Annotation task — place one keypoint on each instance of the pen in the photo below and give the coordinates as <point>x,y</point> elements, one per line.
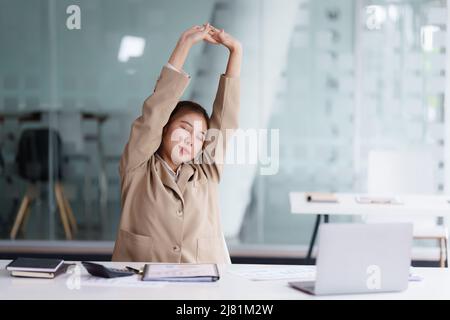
<point>134,270</point>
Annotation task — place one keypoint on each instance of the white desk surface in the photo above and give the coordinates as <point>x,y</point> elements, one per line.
<point>435,285</point>
<point>430,205</point>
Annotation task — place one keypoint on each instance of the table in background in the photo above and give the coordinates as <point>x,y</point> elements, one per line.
<point>431,205</point>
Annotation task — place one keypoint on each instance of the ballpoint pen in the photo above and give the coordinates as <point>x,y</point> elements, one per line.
<point>134,270</point>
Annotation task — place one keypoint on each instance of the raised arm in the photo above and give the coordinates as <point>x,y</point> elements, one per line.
<point>146,130</point>
<point>225,116</point>
<point>235,56</point>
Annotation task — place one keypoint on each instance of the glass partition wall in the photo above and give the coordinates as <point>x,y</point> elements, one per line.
<point>84,87</point>
<point>335,81</point>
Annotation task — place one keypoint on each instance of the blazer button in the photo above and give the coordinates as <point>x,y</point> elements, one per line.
<point>176,248</point>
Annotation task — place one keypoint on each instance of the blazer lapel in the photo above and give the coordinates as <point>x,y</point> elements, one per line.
<point>186,173</point>
<point>168,181</point>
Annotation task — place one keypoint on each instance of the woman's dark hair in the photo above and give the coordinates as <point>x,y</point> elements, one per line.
<point>190,106</point>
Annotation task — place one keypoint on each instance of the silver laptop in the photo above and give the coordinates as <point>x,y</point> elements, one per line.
<point>361,258</point>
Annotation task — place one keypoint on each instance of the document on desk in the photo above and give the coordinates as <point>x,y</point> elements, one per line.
<point>378,200</point>
<point>183,272</point>
<point>131,281</point>
<point>259,273</point>
<point>301,273</point>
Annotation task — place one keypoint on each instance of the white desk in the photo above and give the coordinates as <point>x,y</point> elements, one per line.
<point>435,285</point>
<point>430,205</point>
<point>412,205</point>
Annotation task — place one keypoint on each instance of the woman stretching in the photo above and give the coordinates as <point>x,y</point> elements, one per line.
<point>171,166</point>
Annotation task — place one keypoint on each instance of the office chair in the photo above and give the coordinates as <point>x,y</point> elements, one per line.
<point>407,172</point>
<point>2,162</point>
<point>34,165</point>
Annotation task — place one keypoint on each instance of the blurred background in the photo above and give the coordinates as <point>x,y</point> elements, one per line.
<point>338,79</point>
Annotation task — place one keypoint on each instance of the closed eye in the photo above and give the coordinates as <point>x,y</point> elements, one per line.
<point>186,128</point>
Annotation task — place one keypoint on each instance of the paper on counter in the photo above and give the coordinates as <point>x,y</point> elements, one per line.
<point>131,281</point>
<point>306,273</point>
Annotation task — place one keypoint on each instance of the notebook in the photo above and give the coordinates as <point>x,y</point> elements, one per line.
<point>377,200</point>
<point>184,272</point>
<point>34,265</point>
<point>39,274</point>
<point>37,268</point>
<point>321,197</point>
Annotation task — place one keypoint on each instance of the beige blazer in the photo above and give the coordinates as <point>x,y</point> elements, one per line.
<point>163,220</point>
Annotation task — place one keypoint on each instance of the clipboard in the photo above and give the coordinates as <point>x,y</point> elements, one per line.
<point>181,272</point>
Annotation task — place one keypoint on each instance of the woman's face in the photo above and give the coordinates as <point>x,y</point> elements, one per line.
<point>183,137</point>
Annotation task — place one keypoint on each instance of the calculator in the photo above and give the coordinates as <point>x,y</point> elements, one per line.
<point>99,270</point>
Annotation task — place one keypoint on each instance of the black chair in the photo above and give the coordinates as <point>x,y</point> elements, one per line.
<point>39,159</point>
<point>2,162</point>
